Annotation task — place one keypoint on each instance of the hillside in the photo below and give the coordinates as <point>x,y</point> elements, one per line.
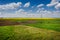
<point>22,32</point>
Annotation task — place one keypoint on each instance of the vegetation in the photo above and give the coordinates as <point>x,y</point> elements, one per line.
<point>21,32</point>
<point>51,24</point>
<point>29,29</point>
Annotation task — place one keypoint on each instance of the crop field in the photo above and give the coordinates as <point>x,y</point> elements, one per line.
<point>30,29</point>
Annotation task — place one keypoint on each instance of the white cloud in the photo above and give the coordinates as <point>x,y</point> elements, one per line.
<point>52,4</point>
<point>53,1</point>
<point>0,13</point>
<point>27,4</point>
<point>40,9</point>
<point>40,5</point>
<point>42,13</point>
<point>57,6</point>
<point>10,6</point>
<point>21,11</point>
<point>48,14</point>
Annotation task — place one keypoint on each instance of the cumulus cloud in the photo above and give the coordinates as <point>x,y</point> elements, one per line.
<point>40,5</point>
<point>54,3</point>
<point>57,6</point>
<point>21,11</point>
<point>41,14</point>
<point>48,14</point>
<point>0,13</point>
<point>10,6</point>
<point>40,9</point>
<point>21,15</point>
<point>27,4</point>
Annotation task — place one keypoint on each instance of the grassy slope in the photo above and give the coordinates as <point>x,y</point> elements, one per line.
<point>52,24</point>
<point>49,23</point>
<point>21,32</point>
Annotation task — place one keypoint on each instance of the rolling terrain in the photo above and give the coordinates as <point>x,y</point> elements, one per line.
<point>29,29</point>
<point>22,32</point>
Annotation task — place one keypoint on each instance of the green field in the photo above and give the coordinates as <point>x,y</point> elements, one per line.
<point>30,29</point>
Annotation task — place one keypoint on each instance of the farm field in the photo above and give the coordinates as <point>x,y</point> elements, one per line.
<point>29,29</point>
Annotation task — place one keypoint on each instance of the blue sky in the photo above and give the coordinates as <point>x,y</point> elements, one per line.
<point>33,2</point>
<point>30,8</point>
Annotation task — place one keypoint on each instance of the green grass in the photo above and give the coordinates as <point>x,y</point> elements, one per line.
<point>21,32</point>
<point>55,27</point>
<point>46,24</point>
<point>6,32</point>
<point>51,24</point>
<point>42,29</point>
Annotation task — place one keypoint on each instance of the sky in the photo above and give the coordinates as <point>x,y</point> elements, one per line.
<point>30,8</point>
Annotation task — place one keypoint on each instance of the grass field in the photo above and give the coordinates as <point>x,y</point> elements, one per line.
<point>29,29</point>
